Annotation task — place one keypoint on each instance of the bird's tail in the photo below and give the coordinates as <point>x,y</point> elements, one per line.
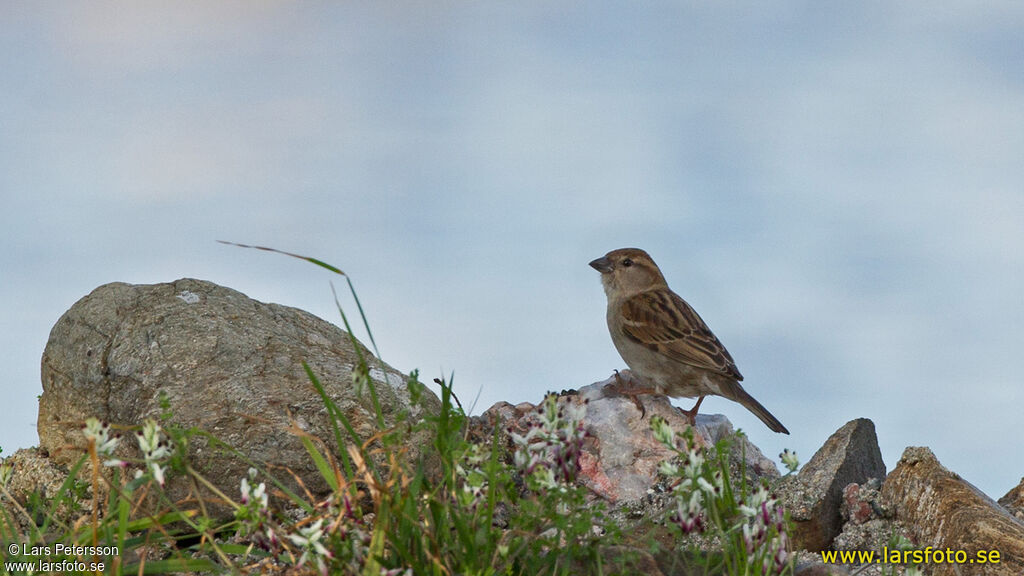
<point>735,392</point>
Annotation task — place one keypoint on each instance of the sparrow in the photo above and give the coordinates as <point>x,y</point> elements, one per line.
<point>667,346</point>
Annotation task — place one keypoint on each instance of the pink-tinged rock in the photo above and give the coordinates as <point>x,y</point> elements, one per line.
<point>855,508</point>
<point>625,453</point>
<point>621,456</point>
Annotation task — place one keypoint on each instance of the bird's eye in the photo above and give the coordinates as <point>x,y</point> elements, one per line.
<point>627,262</point>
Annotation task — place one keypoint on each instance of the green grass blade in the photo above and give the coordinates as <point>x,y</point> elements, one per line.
<point>320,263</point>
<point>366,323</point>
<point>378,412</point>
<point>322,465</point>
<point>175,565</point>
<point>336,416</point>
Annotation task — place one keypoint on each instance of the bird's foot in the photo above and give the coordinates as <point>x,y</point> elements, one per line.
<point>691,414</point>
<point>632,391</point>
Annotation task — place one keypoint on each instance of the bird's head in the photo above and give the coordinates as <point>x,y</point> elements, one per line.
<point>628,271</point>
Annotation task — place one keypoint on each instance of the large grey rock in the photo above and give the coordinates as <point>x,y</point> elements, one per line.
<point>945,512</point>
<point>814,495</point>
<point>227,364</point>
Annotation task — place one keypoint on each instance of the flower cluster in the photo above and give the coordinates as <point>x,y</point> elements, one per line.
<point>352,544</point>
<point>753,528</point>
<point>308,539</point>
<point>6,472</point>
<point>254,514</point>
<point>689,514</point>
<point>472,480</point>
<point>155,448</point>
<point>548,455</point>
<point>695,484</point>
<point>335,538</point>
<point>99,434</point>
<point>254,497</point>
<point>789,460</point>
<point>764,533</point>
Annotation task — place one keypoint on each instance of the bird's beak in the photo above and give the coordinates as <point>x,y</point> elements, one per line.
<point>602,265</point>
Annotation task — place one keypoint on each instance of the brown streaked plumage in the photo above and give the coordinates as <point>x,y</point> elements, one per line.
<point>664,341</point>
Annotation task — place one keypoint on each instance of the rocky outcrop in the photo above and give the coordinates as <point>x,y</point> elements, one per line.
<point>225,363</point>
<point>943,511</point>
<point>814,495</point>
<point>920,506</point>
<point>232,366</point>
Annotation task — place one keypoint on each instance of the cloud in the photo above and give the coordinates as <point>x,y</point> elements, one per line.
<point>122,39</point>
<point>836,192</point>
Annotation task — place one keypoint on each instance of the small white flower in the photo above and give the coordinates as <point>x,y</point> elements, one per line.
<point>260,495</point>
<point>668,469</point>
<point>694,463</point>
<point>308,539</point>
<point>705,485</point>
<point>545,478</point>
<point>6,472</point>
<point>100,434</point>
<point>684,485</point>
<point>663,432</point>
<point>696,503</point>
<point>158,472</point>
<point>245,491</point>
<point>790,460</point>
<point>154,448</point>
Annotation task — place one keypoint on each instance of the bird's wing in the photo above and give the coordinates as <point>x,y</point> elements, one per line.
<point>665,323</point>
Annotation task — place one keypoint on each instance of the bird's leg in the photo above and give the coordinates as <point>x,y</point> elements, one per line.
<point>691,414</point>
<point>633,392</point>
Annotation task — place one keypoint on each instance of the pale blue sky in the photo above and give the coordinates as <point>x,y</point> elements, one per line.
<point>837,189</point>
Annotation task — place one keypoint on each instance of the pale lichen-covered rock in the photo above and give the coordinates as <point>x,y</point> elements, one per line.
<point>942,510</point>
<point>621,456</point>
<point>621,462</point>
<point>226,363</point>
